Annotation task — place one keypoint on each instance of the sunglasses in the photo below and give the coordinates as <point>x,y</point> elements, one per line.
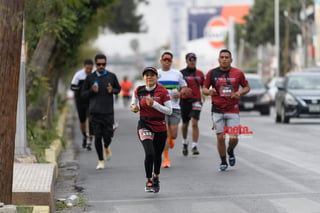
<point>167,59</point>
<point>192,59</point>
<point>101,64</point>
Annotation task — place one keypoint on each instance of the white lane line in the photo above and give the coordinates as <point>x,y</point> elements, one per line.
<point>297,163</point>
<point>233,196</point>
<point>136,208</point>
<point>296,205</point>
<point>279,178</point>
<point>221,206</point>
<point>274,175</point>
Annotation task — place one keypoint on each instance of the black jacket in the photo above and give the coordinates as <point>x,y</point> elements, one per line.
<point>102,101</point>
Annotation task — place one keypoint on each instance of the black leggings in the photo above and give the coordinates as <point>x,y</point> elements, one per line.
<point>153,149</point>
<point>102,129</point>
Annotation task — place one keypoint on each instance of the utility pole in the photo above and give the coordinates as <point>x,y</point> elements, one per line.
<point>286,43</point>
<point>176,7</point>
<point>11,21</point>
<point>317,33</point>
<point>302,24</point>
<point>304,34</point>
<point>276,36</point>
<point>21,133</point>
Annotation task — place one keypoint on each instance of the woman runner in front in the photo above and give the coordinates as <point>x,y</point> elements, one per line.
<point>153,102</point>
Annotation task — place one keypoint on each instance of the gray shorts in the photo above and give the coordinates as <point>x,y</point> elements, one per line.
<point>174,118</point>
<point>221,120</point>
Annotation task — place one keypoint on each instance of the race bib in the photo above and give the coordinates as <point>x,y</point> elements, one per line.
<point>145,134</point>
<point>226,90</point>
<point>196,105</point>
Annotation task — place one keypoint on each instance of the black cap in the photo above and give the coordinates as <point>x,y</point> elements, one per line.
<point>152,69</point>
<point>191,57</point>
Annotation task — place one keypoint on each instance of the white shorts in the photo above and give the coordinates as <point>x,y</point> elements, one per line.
<point>221,120</point>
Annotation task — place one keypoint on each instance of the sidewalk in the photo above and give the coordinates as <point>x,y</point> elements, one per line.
<point>34,183</point>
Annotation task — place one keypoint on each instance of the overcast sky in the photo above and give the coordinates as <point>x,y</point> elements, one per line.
<point>154,13</point>
<point>157,18</point>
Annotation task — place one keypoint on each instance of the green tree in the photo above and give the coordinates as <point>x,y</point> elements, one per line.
<point>259,27</point>
<point>56,32</point>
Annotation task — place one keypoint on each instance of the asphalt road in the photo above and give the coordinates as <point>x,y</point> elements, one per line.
<point>277,171</point>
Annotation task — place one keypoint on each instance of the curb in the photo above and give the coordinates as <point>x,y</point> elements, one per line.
<point>52,153</point>
<point>41,209</point>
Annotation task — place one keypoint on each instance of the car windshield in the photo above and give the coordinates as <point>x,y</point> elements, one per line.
<point>304,82</point>
<point>255,83</point>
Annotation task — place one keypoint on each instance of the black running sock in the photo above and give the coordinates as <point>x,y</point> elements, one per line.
<point>223,160</point>
<point>84,134</point>
<point>230,152</point>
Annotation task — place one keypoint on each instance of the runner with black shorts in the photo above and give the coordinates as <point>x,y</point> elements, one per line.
<point>191,104</point>
<point>82,104</point>
<point>154,102</point>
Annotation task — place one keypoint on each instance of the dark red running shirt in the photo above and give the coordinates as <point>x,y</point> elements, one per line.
<point>194,79</point>
<point>160,95</point>
<point>226,83</point>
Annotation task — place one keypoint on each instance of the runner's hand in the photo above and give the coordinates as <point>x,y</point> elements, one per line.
<point>95,87</point>
<point>109,88</point>
<point>236,95</point>
<point>149,100</point>
<point>134,108</point>
<point>212,91</point>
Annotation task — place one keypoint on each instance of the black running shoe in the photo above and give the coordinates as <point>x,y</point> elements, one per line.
<point>156,184</point>
<point>232,160</point>
<point>195,151</point>
<point>149,186</point>
<point>84,142</point>
<point>185,149</point>
<point>223,167</point>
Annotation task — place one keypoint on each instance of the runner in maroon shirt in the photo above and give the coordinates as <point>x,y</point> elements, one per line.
<point>222,84</point>
<point>153,102</point>
<point>191,104</point>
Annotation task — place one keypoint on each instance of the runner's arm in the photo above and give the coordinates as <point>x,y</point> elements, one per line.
<point>134,104</point>
<point>165,109</point>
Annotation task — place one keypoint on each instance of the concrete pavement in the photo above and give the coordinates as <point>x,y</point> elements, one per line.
<point>264,180</point>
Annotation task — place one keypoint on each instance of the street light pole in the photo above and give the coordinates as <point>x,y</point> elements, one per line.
<point>304,33</point>
<point>302,25</point>
<point>317,33</point>
<point>276,36</point>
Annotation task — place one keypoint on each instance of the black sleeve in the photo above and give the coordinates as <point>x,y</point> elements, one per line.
<point>116,88</point>
<point>86,91</point>
<point>75,87</point>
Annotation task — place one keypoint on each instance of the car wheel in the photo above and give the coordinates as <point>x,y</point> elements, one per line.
<point>284,118</point>
<point>265,112</point>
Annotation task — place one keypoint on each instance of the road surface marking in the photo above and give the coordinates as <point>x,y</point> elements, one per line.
<point>296,205</point>
<point>218,206</point>
<point>136,208</point>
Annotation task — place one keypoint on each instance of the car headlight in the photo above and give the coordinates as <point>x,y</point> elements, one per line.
<point>265,98</point>
<point>290,100</point>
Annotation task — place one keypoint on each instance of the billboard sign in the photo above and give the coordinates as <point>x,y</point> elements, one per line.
<point>212,23</point>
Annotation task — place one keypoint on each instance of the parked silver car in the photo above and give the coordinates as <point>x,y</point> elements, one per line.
<point>258,98</point>
<point>298,97</point>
